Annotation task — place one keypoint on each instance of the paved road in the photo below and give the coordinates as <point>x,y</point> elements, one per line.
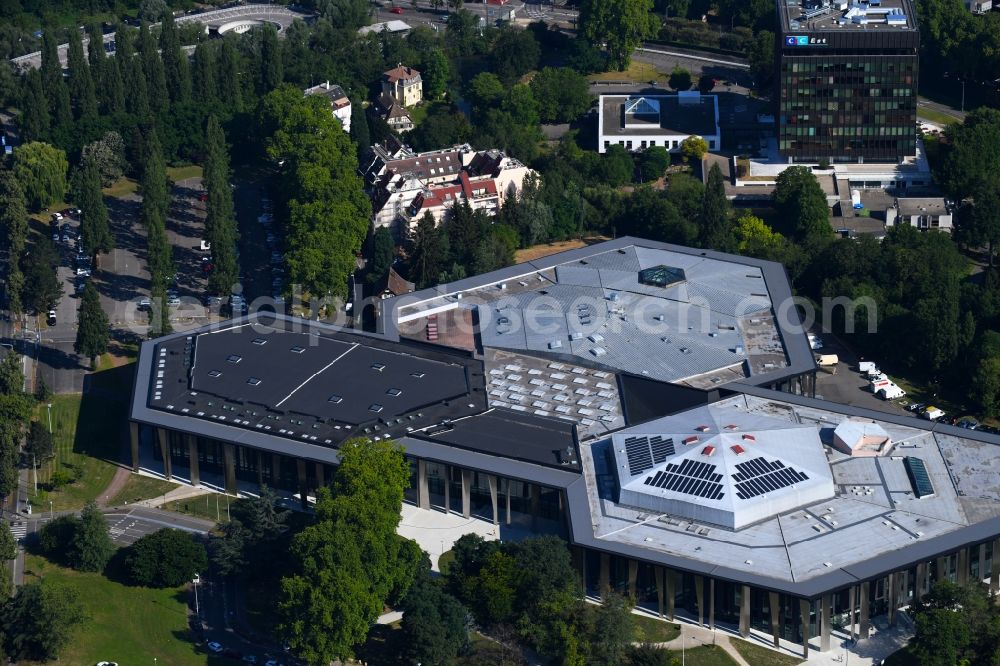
<point>234,18</point>
<point>58,365</point>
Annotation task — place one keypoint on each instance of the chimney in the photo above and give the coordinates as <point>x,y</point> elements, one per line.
<point>327,85</point>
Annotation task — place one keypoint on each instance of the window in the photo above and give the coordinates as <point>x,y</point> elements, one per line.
<point>394,392</point>
<point>233,358</point>
<point>375,408</point>
<point>378,367</point>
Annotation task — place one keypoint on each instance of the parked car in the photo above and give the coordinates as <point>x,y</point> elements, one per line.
<point>396,10</point>
<point>916,407</point>
<point>173,302</point>
<point>277,257</point>
<point>57,217</point>
<point>83,270</point>
<point>203,197</point>
<point>51,319</point>
<point>215,647</point>
<point>107,663</point>
<point>205,246</point>
<point>931,413</point>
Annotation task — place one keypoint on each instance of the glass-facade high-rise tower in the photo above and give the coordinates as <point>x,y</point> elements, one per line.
<point>847,80</point>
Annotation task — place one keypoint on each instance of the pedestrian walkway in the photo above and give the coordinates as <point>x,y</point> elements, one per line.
<point>178,493</point>
<point>19,529</point>
<point>437,531</point>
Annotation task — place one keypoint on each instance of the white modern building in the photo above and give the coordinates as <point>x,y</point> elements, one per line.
<point>921,212</point>
<point>638,122</point>
<point>340,104</point>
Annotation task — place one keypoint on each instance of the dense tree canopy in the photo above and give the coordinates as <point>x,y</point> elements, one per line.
<point>41,170</point>
<point>621,24</point>
<point>165,558</point>
<point>801,204</point>
<point>37,623</point>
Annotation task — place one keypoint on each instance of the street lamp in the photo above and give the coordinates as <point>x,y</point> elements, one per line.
<point>195,581</point>
<point>50,510</point>
<point>49,405</point>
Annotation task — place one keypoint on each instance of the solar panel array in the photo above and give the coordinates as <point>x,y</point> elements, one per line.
<point>690,478</point>
<point>758,476</point>
<point>644,452</point>
<point>919,478</point>
<point>584,396</point>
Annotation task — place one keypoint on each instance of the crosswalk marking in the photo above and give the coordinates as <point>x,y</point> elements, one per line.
<point>19,530</point>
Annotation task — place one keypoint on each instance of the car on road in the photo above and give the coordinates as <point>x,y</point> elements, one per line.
<point>144,303</point>
<point>57,217</point>
<point>215,647</point>
<point>173,302</point>
<point>83,271</point>
<point>396,10</point>
<point>51,319</point>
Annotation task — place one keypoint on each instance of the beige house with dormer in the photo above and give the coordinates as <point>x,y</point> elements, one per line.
<point>403,84</point>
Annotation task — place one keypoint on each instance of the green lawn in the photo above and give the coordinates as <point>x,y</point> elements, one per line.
<point>707,655</point>
<point>87,434</point>
<point>758,655</point>
<point>637,71</point>
<point>936,117</point>
<point>121,188</point>
<point>652,630</point>
<point>139,488</point>
<point>129,625</point>
<point>180,173</point>
<point>210,507</point>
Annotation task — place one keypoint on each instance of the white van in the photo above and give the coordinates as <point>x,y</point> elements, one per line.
<point>867,367</point>
<point>827,359</point>
<point>890,392</point>
<point>931,414</point>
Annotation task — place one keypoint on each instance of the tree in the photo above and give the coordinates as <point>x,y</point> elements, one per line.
<point>986,385</point>
<point>680,78</point>
<point>441,127</point>
<point>612,630</point>
<point>971,166</point>
<point>81,85</point>
<point>382,251</point>
<point>650,655</point>
<point>755,239</point>
<point>95,235</point>
<point>271,71</point>
<point>616,167</point>
<point>715,228</point>
<point>347,563</point>
<point>220,218</point>
<point>165,558</point>
<point>39,444</point>
<point>760,53</point>
<point>563,94</point>
<point>37,623</point>
<point>150,11</point>
<point>515,53</point>
<point>14,230</point>
<point>621,24</point>
<point>801,204</point>
<point>91,547</point>
<point>94,329</point>
<point>229,550</point>
<point>41,170</point>
<point>435,625</point>
<point>8,546</point>
<point>430,249</point>
<point>175,62</point>
<point>35,120</point>
<point>155,203</point>
<point>11,375</point>
<point>155,74</point>
<point>107,155</point>
<point>41,285</point>
<point>484,90</point>
<point>694,148</point>
<point>653,162</point>
<point>435,72</point>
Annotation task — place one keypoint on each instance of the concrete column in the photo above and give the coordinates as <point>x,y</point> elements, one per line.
<point>804,608</point>
<point>633,575</point>
<point>852,610</point>
<point>699,592</point>
<point>168,468</point>
<point>920,589</point>
<point>658,576</point>
<point>963,566</point>
<point>467,493</point>
<point>229,462</point>
<point>824,630</point>
<point>579,555</point>
<point>507,500</point>
<point>320,481</point>
<point>983,575</point>
<point>275,469</point>
<point>942,568</point>
<point>711,604</point>
<point>604,582</point>
<point>133,432</point>
<point>891,597</point>
<point>995,567</point>
<point>423,494</point>
<point>903,583</point>
<point>260,468</point>
<point>447,488</point>
<point>536,503</point>
<point>671,592</point>
<point>745,611</point>
<point>195,474</point>
<point>492,480</point>
<point>300,468</point>
<point>773,600</point>
<point>863,603</point>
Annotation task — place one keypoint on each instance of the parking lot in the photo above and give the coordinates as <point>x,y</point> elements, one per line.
<point>59,366</point>
<point>842,383</point>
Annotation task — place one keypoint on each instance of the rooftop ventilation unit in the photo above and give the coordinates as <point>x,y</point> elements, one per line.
<point>737,449</point>
<point>378,367</point>
<point>253,381</point>
<point>297,350</point>
<point>233,358</point>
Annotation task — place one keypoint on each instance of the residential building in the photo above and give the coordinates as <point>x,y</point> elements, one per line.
<point>847,80</point>
<point>405,185</point>
<point>404,85</point>
<point>920,212</point>
<point>638,122</point>
<point>979,6</point>
<point>622,396</point>
<point>340,105</point>
<point>392,112</point>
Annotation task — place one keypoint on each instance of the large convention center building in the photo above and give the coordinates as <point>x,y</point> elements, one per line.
<point>651,404</point>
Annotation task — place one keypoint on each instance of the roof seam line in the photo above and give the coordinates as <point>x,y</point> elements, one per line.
<point>315,374</point>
